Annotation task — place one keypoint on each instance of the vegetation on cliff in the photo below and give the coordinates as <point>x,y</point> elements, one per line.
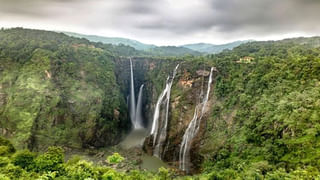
<point>265,122</point>
<point>58,90</point>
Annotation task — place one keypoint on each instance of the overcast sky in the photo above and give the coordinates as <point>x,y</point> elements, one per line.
<point>168,22</point>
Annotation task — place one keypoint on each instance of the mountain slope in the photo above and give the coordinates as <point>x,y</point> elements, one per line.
<point>146,49</point>
<point>113,40</point>
<point>172,51</point>
<point>212,48</point>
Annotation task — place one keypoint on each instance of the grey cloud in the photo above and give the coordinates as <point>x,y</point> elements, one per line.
<point>160,20</point>
<point>265,15</point>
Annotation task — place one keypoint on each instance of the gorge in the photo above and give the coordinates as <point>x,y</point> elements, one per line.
<point>248,112</point>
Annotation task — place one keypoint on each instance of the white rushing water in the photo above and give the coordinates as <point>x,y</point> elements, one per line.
<point>155,123</point>
<point>138,118</point>
<point>132,97</point>
<point>192,130</point>
<point>159,126</point>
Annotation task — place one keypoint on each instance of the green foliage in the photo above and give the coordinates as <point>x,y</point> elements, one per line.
<point>172,51</point>
<point>50,165</point>
<point>24,159</point>
<point>48,176</point>
<point>112,175</point>
<point>4,161</point>
<point>50,161</point>
<point>164,174</point>
<point>266,123</point>
<point>58,90</point>
<point>6,148</point>
<point>12,172</point>
<point>115,158</point>
<point>82,170</point>
<point>4,177</point>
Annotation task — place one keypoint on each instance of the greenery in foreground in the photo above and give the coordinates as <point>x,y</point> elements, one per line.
<point>51,165</point>
<point>24,164</point>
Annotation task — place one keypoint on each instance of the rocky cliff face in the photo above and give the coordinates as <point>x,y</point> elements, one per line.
<point>189,84</point>
<point>148,71</point>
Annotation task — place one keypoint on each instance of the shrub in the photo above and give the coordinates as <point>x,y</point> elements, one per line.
<point>52,160</point>
<point>115,158</point>
<point>4,161</point>
<point>164,173</point>
<point>4,177</point>
<point>13,172</point>
<point>112,175</point>
<point>24,159</point>
<point>48,176</point>
<point>81,170</point>
<point>215,176</point>
<point>6,148</point>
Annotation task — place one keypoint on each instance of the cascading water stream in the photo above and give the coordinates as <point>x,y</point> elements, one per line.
<point>138,118</point>
<point>192,130</point>
<point>159,127</point>
<point>155,124</point>
<point>132,97</point>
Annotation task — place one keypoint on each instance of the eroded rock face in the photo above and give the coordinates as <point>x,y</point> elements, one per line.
<point>203,72</point>
<point>186,91</point>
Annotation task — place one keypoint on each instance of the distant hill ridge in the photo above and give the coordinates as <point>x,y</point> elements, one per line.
<point>213,48</point>
<point>193,49</point>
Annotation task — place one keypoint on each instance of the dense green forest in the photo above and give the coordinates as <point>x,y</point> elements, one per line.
<point>263,124</point>
<point>58,90</point>
<point>267,125</point>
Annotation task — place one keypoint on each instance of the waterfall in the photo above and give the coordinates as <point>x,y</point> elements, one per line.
<point>132,97</point>
<point>155,124</point>
<point>138,118</point>
<point>159,127</point>
<point>192,130</point>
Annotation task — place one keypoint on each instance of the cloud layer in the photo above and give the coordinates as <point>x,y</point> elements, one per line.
<point>168,21</point>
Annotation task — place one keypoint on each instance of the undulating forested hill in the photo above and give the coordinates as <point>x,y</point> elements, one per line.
<point>213,48</point>
<point>262,118</point>
<point>145,49</point>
